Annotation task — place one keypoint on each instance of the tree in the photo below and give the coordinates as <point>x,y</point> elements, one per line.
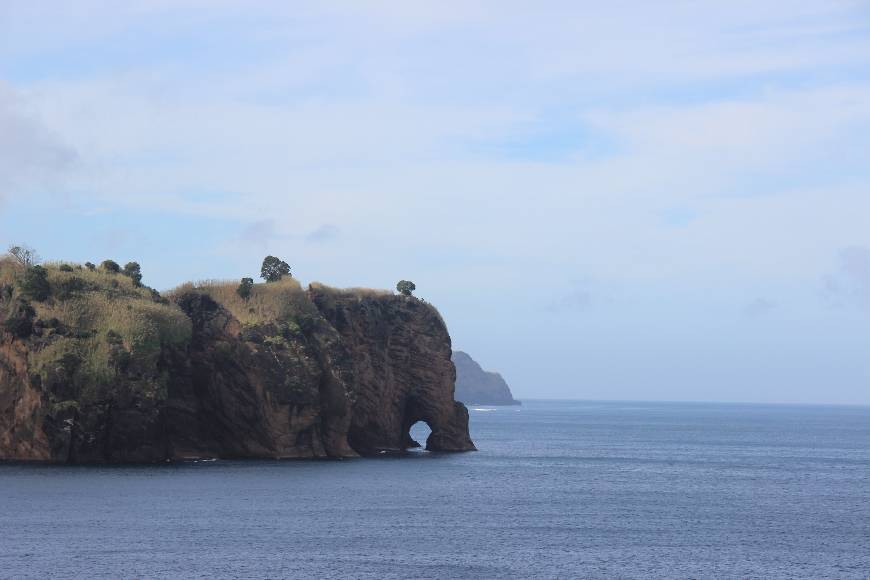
<point>274,269</point>
<point>133,271</point>
<point>24,255</point>
<point>34,285</point>
<point>406,287</point>
<point>110,266</point>
<point>90,266</point>
<point>244,289</point>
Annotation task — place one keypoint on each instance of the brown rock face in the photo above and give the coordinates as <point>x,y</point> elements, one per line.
<point>348,375</point>
<point>400,351</point>
<point>264,391</point>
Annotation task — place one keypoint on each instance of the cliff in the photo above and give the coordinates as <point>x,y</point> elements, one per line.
<point>103,370</point>
<point>474,386</point>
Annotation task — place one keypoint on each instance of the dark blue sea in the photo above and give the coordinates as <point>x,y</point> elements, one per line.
<point>557,490</point>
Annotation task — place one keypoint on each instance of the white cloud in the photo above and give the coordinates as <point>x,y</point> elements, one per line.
<point>29,153</point>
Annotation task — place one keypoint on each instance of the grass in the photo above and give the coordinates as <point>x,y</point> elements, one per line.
<point>358,292</point>
<point>371,293</point>
<point>282,301</point>
<point>107,316</point>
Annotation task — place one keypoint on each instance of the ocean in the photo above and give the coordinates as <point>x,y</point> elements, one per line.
<point>558,489</point>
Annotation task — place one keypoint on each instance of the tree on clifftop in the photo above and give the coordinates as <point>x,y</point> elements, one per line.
<point>24,255</point>
<point>406,287</point>
<point>244,289</point>
<point>110,266</point>
<point>274,269</point>
<point>133,271</point>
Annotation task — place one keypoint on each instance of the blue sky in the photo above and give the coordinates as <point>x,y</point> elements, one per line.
<point>623,200</point>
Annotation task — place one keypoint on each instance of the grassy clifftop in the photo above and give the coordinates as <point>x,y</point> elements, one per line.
<point>283,301</point>
<point>92,326</point>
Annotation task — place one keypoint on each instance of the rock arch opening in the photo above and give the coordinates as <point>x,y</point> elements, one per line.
<point>418,435</point>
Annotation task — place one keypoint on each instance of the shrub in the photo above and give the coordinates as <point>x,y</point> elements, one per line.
<point>24,255</point>
<point>110,266</point>
<point>274,269</point>
<point>133,271</point>
<point>244,289</point>
<point>90,266</point>
<point>67,288</point>
<point>34,285</point>
<point>65,268</point>
<point>20,319</point>
<point>156,297</point>
<point>406,287</point>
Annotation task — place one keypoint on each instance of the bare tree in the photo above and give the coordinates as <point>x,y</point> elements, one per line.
<point>25,255</point>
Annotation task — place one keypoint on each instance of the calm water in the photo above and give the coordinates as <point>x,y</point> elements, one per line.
<point>567,489</point>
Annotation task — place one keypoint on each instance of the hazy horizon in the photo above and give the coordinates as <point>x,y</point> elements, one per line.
<point>636,202</point>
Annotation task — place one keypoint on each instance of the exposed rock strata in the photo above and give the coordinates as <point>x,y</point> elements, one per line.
<point>348,376</point>
<point>475,386</point>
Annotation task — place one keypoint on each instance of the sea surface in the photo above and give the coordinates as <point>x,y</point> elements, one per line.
<point>558,489</point>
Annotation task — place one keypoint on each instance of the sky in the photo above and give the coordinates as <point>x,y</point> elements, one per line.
<point>605,200</point>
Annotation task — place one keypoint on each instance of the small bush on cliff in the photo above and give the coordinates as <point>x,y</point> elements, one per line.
<point>406,287</point>
<point>110,266</point>
<point>20,319</point>
<point>245,288</point>
<point>133,271</point>
<point>34,284</point>
<point>274,269</point>
<point>70,286</point>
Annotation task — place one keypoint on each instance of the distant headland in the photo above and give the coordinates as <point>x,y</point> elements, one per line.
<point>475,386</point>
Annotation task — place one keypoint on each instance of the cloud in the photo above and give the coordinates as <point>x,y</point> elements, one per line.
<point>29,153</point>
<point>260,232</point>
<point>324,233</point>
<point>758,308</point>
<point>578,299</point>
<point>850,285</point>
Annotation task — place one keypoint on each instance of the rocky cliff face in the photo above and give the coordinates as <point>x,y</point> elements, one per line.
<point>400,353</point>
<point>474,386</point>
<point>345,374</point>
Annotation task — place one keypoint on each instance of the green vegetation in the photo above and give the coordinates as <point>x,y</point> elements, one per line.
<point>34,284</point>
<point>110,266</point>
<point>406,287</point>
<point>245,288</point>
<point>274,269</point>
<point>281,301</point>
<point>133,271</point>
<point>90,327</point>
